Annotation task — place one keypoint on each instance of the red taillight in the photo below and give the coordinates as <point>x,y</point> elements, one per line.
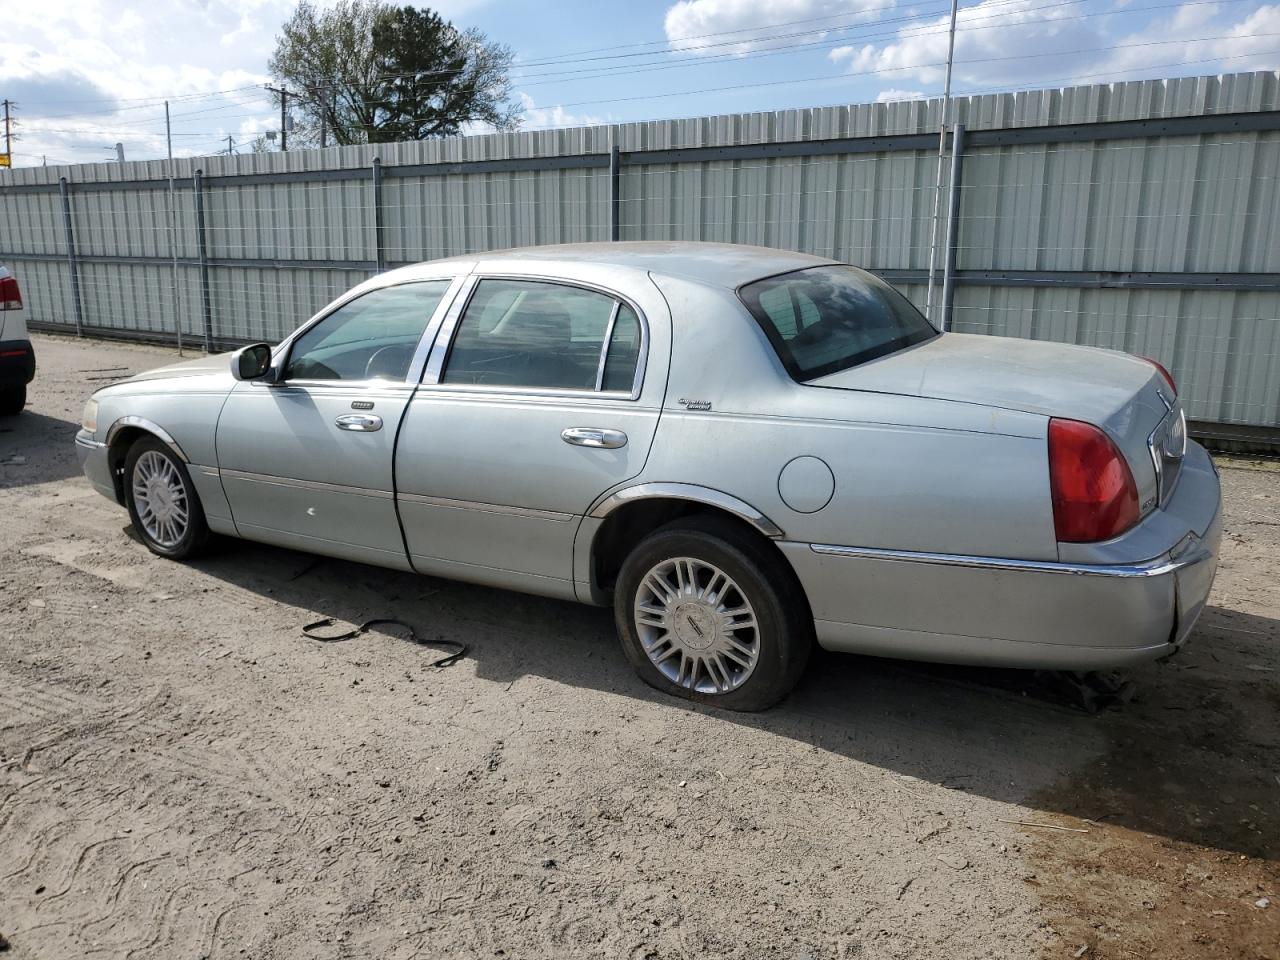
<point>1094,496</point>
<point>1164,372</point>
<point>10,296</point>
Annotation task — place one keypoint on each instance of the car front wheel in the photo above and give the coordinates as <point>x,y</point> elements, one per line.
<point>162,501</point>
<point>708,613</point>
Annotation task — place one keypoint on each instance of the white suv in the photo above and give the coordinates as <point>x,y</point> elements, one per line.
<point>17,358</point>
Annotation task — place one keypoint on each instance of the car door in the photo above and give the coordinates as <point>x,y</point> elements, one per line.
<point>540,395</point>
<point>306,461</point>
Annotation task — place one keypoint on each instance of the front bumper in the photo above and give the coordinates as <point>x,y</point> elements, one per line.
<point>17,363</point>
<point>95,463</point>
<point>1014,613</point>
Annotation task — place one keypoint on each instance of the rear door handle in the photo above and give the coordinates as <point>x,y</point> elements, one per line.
<point>594,437</point>
<point>359,422</point>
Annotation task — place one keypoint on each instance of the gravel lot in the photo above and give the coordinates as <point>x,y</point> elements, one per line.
<point>182,774</point>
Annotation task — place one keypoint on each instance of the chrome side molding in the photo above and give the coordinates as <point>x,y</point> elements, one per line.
<point>1184,554</point>
<point>481,507</point>
<point>687,491</point>
<point>228,474</point>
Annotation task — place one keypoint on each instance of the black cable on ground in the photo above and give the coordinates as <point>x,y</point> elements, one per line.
<point>450,660</point>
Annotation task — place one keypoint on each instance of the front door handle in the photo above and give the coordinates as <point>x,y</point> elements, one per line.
<point>359,422</point>
<point>594,437</point>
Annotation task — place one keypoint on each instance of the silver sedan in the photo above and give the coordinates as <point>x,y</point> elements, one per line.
<point>743,451</point>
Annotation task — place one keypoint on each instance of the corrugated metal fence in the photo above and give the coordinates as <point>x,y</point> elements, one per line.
<point>1143,216</point>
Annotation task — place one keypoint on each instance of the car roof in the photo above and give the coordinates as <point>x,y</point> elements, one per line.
<point>715,264</point>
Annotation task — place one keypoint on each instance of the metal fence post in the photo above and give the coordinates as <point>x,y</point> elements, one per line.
<point>953,225</point>
<point>379,242</point>
<point>615,198</point>
<point>71,255</point>
<point>202,245</point>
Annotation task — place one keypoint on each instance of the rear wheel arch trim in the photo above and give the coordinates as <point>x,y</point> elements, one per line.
<point>141,423</point>
<point>692,493</point>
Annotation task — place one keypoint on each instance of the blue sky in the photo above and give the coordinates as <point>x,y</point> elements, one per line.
<point>87,73</point>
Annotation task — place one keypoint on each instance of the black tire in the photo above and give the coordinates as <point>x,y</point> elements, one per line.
<point>12,400</point>
<point>196,535</point>
<point>784,627</point>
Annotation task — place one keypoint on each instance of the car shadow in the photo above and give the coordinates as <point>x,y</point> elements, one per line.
<point>36,449</point>
<point>1180,760</point>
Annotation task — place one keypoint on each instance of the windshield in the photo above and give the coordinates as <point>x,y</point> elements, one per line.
<point>825,319</point>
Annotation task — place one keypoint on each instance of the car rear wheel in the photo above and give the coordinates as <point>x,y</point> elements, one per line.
<point>162,501</point>
<point>12,400</point>
<point>708,613</point>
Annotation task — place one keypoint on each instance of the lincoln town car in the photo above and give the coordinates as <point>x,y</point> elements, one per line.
<point>744,452</point>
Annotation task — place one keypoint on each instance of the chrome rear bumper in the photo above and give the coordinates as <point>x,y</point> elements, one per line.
<point>1018,613</point>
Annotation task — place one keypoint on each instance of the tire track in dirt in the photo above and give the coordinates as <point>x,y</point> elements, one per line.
<point>104,758</point>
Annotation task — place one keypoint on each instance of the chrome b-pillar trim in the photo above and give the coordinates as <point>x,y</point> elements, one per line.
<point>1185,554</point>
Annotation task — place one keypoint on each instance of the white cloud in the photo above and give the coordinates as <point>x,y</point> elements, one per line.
<point>739,26</point>
<point>547,118</point>
<point>70,63</point>
<point>892,96</point>
<point>920,52</point>
<point>1250,43</point>
<point>987,53</point>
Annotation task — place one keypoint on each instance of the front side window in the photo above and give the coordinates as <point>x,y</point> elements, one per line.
<point>529,333</point>
<point>825,319</point>
<point>370,338</point>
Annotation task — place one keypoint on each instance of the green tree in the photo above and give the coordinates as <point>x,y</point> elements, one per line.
<point>368,71</point>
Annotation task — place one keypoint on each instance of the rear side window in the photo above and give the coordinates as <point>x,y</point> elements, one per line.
<point>529,333</point>
<point>825,319</point>
<point>624,351</point>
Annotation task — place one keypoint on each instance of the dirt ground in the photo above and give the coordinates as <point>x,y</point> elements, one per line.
<point>183,775</point>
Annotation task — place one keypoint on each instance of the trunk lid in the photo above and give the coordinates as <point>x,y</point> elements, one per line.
<point>1120,393</point>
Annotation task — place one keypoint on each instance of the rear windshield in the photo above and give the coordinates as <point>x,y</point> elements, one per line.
<point>825,319</point>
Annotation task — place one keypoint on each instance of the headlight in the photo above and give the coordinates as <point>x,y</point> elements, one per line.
<point>89,419</point>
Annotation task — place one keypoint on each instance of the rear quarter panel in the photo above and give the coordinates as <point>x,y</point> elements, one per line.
<point>909,473</point>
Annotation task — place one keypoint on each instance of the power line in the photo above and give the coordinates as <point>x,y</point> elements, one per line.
<point>876,72</point>
<point>896,34</point>
<point>902,33</point>
<point>576,57</point>
<point>987,14</point>
<point>151,104</point>
<point>918,66</point>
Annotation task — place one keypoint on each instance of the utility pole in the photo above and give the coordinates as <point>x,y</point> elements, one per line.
<point>324,117</point>
<point>942,150</point>
<point>284,109</point>
<point>173,231</point>
<point>8,133</point>
<point>230,146</point>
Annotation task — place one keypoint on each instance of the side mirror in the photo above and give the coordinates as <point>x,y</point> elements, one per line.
<point>252,362</point>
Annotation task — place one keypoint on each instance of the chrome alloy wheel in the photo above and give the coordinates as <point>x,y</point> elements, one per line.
<point>160,497</point>
<point>696,625</point>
